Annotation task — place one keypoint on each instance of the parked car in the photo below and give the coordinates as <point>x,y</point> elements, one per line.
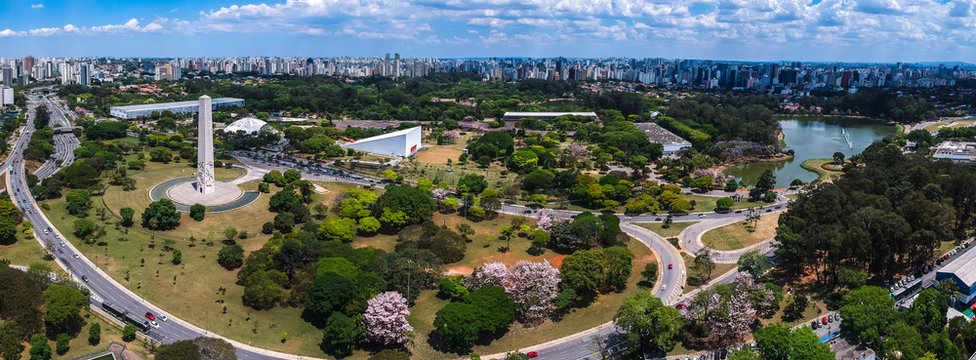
<point>680,306</point>
<point>824,320</point>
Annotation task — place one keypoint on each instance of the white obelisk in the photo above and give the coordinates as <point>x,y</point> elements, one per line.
<point>205,149</point>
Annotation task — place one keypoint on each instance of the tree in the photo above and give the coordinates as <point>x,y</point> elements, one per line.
<point>414,202</point>
<point>63,305</point>
<point>231,256</point>
<point>320,210</point>
<point>284,222</point>
<point>11,340</point>
<point>337,229</point>
<point>369,225</point>
<point>39,349</point>
<point>330,292</point>
<point>340,335</point>
<point>177,256</point>
<point>839,158</point>
<point>755,263</point>
<point>447,245</point>
<point>648,322</point>
<point>534,287</point>
<point>458,323</point>
<point>927,313</point>
<point>230,232</point>
<point>766,181</point>
<point>867,312</point>
<point>197,212</point>
<point>617,266</point>
<point>179,350</point>
<point>777,342</point>
<point>267,228</point>
<point>215,349</point>
<point>84,227</point>
<point>904,339</point>
<point>161,215</point>
<point>472,183</point>
<point>8,230</point>
<point>160,154</point>
<point>386,319</point>
<point>496,306</point>
<point>797,183</point>
<point>292,175</point>
<point>724,204</point>
<point>702,183</point>
<point>129,332</point>
<point>79,202</point>
<point>127,214</point>
<point>94,334</point>
<point>703,262</point>
<point>583,272</point>
<point>731,185</point>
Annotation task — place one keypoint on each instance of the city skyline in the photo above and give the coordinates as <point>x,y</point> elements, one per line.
<point>782,30</point>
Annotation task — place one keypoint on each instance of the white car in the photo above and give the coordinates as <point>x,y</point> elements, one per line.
<point>154,324</point>
<point>162,317</point>
<point>76,255</point>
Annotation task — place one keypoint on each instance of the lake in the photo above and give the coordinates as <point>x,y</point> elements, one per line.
<point>812,139</point>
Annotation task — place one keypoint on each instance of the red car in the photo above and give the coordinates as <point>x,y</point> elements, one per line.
<point>532,354</point>
<point>150,316</point>
<point>669,266</point>
<point>824,320</point>
<point>679,306</point>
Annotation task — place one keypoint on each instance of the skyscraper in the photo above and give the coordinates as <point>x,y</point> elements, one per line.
<point>396,65</point>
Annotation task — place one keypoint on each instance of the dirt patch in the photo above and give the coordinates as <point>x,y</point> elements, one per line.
<point>459,270</point>
<point>438,155</point>
<point>319,189</point>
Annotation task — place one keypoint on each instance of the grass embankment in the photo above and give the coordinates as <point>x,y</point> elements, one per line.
<point>823,174</point>
<point>698,278</point>
<point>949,124</point>
<point>737,235</point>
<point>670,231</point>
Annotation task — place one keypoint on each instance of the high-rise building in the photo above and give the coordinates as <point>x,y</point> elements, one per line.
<point>84,74</point>
<point>396,65</point>
<point>7,75</point>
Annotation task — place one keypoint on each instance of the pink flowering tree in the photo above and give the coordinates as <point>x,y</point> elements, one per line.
<point>439,194</point>
<point>494,273</point>
<point>534,287</point>
<point>578,151</point>
<point>451,136</point>
<point>543,219</point>
<point>386,319</point>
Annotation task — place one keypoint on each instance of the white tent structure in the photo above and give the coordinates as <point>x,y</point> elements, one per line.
<point>248,125</point>
<point>398,143</point>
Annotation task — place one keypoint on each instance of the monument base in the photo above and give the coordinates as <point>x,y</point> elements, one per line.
<point>187,194</point>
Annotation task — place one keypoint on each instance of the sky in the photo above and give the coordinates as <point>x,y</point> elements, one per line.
<point>750,30</point>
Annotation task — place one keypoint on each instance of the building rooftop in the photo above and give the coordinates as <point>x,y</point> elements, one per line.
<point>248,125</point>
<point>963,268</point>
<point>660,135</point>
<point>387,135</point>
<point>173,104</point>
<point>957,150</point>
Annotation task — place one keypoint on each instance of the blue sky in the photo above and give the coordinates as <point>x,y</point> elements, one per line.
<point>824,30</point>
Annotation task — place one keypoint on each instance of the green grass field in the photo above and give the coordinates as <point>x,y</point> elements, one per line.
<point>707,203</point>
<point>698,278</point>
<point>822,175</point>
<point>736,236</point>
<point>671,231</point>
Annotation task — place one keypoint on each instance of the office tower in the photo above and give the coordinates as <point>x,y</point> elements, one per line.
<point>396,65</point>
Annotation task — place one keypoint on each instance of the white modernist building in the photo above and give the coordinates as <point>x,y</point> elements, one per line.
<point>398,143</point>
<point>248,125</point>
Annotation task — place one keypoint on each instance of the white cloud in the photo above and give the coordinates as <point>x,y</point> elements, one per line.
<point>37,6</point>
<point>10,33</point>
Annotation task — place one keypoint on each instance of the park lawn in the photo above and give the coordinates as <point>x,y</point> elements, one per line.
<point>3,181</point>
<point>944,247</point>
<point>736,236</point>
<point>599,312</point>
<point>439,172</point>
<point>822,175</point>
<point>949,124</point>
<point>706,203</point>
<point>814,308</point>
<point>670,231</point>
<point>25,251</point>
<point>696,278</point>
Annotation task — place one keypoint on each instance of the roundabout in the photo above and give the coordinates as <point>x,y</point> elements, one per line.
<point>183,193</point>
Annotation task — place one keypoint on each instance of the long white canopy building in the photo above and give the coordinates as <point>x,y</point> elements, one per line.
<point>401,143</point>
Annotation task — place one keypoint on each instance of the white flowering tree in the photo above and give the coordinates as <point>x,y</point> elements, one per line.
<point>543,220</point>
<point>386,319</point>
<point>493,273</point>
<point>439,194</point>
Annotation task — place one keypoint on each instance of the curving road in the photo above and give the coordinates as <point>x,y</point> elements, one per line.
<point>103,287</point>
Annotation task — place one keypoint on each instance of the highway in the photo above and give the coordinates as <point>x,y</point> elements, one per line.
<point>64,144</point>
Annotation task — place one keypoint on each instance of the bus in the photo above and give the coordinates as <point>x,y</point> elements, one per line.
<point>126,316</point>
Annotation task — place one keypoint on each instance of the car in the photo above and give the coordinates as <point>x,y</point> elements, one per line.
<point>162,317</point>
<point>532,354</point>
<point>815,325</point>
<point>527,211</point>
<point>84,278</point>
<point>62,243</point>
<point>150,316</point>
<point>669,266</point>
<point>664,287</point>
<point>76,255</point>
<point>154,324</point>
<point>738,211</point>
<point>680,306</point>
<point>46,232</point>
<point>830,318</point>
<point>657,219</point>
<point>824,320</point>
